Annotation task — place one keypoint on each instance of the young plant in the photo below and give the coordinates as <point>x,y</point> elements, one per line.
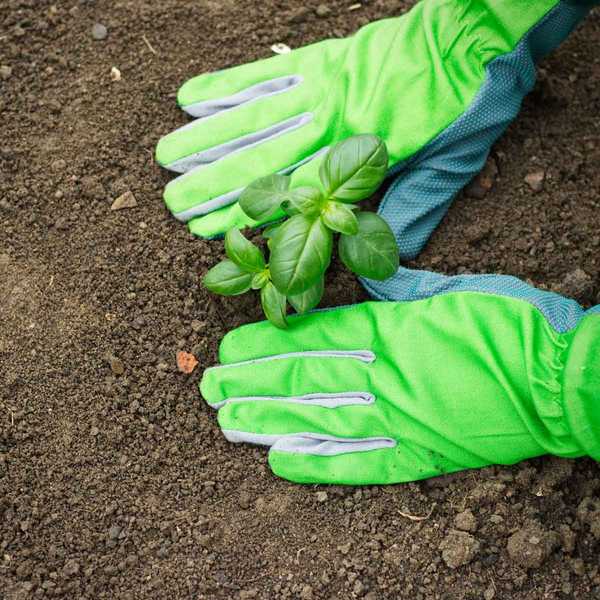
<point>301,245</point>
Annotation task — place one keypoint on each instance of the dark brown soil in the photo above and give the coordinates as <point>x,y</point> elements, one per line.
<point>121,486</point>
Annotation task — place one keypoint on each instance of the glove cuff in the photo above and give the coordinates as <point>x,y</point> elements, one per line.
<point>581,385</point>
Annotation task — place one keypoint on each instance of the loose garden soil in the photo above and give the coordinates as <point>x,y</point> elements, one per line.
<point>115,481</point>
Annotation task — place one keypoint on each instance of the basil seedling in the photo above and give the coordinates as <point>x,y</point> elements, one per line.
<point>301,245</point>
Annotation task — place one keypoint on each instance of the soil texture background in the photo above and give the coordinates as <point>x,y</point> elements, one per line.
<point>115,481</point>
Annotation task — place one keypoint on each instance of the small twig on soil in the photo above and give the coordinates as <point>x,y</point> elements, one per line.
<point>149,45</point>
<point>416,518</point>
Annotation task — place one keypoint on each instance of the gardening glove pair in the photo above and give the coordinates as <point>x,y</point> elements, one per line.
<point>450,373</point>
<point>438,85</point>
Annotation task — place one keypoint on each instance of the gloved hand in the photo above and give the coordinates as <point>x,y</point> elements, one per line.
<point>457,373</point>
<point>438,84</point>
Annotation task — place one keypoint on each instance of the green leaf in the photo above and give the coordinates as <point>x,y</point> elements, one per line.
<point>308,299</point>
<point>303,200</point>
<point>268,234</point>
<point>260,280</point>
<point>300,254</point>
<point>264,196</point>
<point>373,251</point>
<point>340,217</point>
<point>227,279</point>
<point>353,169</point>
<point>243,252</point>
<point>273,304</point>
<point>269,231</point>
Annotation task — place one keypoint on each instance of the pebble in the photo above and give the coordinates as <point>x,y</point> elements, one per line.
<point>321,497</point>
<point>5,72</point>
<point>114,532</point>
<point>577,284</point>
<point>281,48</point>
<point>344,548</point>
<point>115,74</point>
<point>323,10</point>
<point>126,200</point>
<point>459,548</point>
<point>197,325</point>
<point>244,500</point>
<point>116,365</point>
<point>477,232</point>
<point>99,31</point>
<point>466,521</point>
<point>71,568</point>
<point>59,165</point>
<point>535,180</point>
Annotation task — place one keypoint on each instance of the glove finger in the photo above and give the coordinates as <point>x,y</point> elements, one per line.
<point>210,93</point>
<point>220,221</point>
<point>293,374</point>
<point>349,328</point>
<point>366,461</point>
<point>203,141</point>
<point>219,183</point>
<point>229,217</point>
<point>263,419</point>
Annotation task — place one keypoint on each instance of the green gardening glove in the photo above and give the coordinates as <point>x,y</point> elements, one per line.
<point>438,85</point>
<point>464,372</point>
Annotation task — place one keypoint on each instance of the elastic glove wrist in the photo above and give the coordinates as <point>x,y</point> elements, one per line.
<point>581,385</point>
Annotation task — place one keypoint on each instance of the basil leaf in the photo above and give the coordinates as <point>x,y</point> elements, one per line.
<point>269,231</point>
<point>373,251</point>
<point>353,169</point>
<point>273,304</point>
<point>243,252</point>
<point>340,217</point>
<point>303,200</point>
<point>227,279</point>
<point>263,196</point>
<point>300,253</point>
<point>260,280</point>
<point>308,299</point>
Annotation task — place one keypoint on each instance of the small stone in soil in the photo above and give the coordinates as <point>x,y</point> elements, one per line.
<point>323,10</point>
<point>114,532</point>
<point>116,365</point>
<point>321,497</point>
<point>99,31</point>
<point>244,500</point>
<point>126,200</point>
<point>535,180</point>
<point>5,72</point>
<point>577,284</point>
